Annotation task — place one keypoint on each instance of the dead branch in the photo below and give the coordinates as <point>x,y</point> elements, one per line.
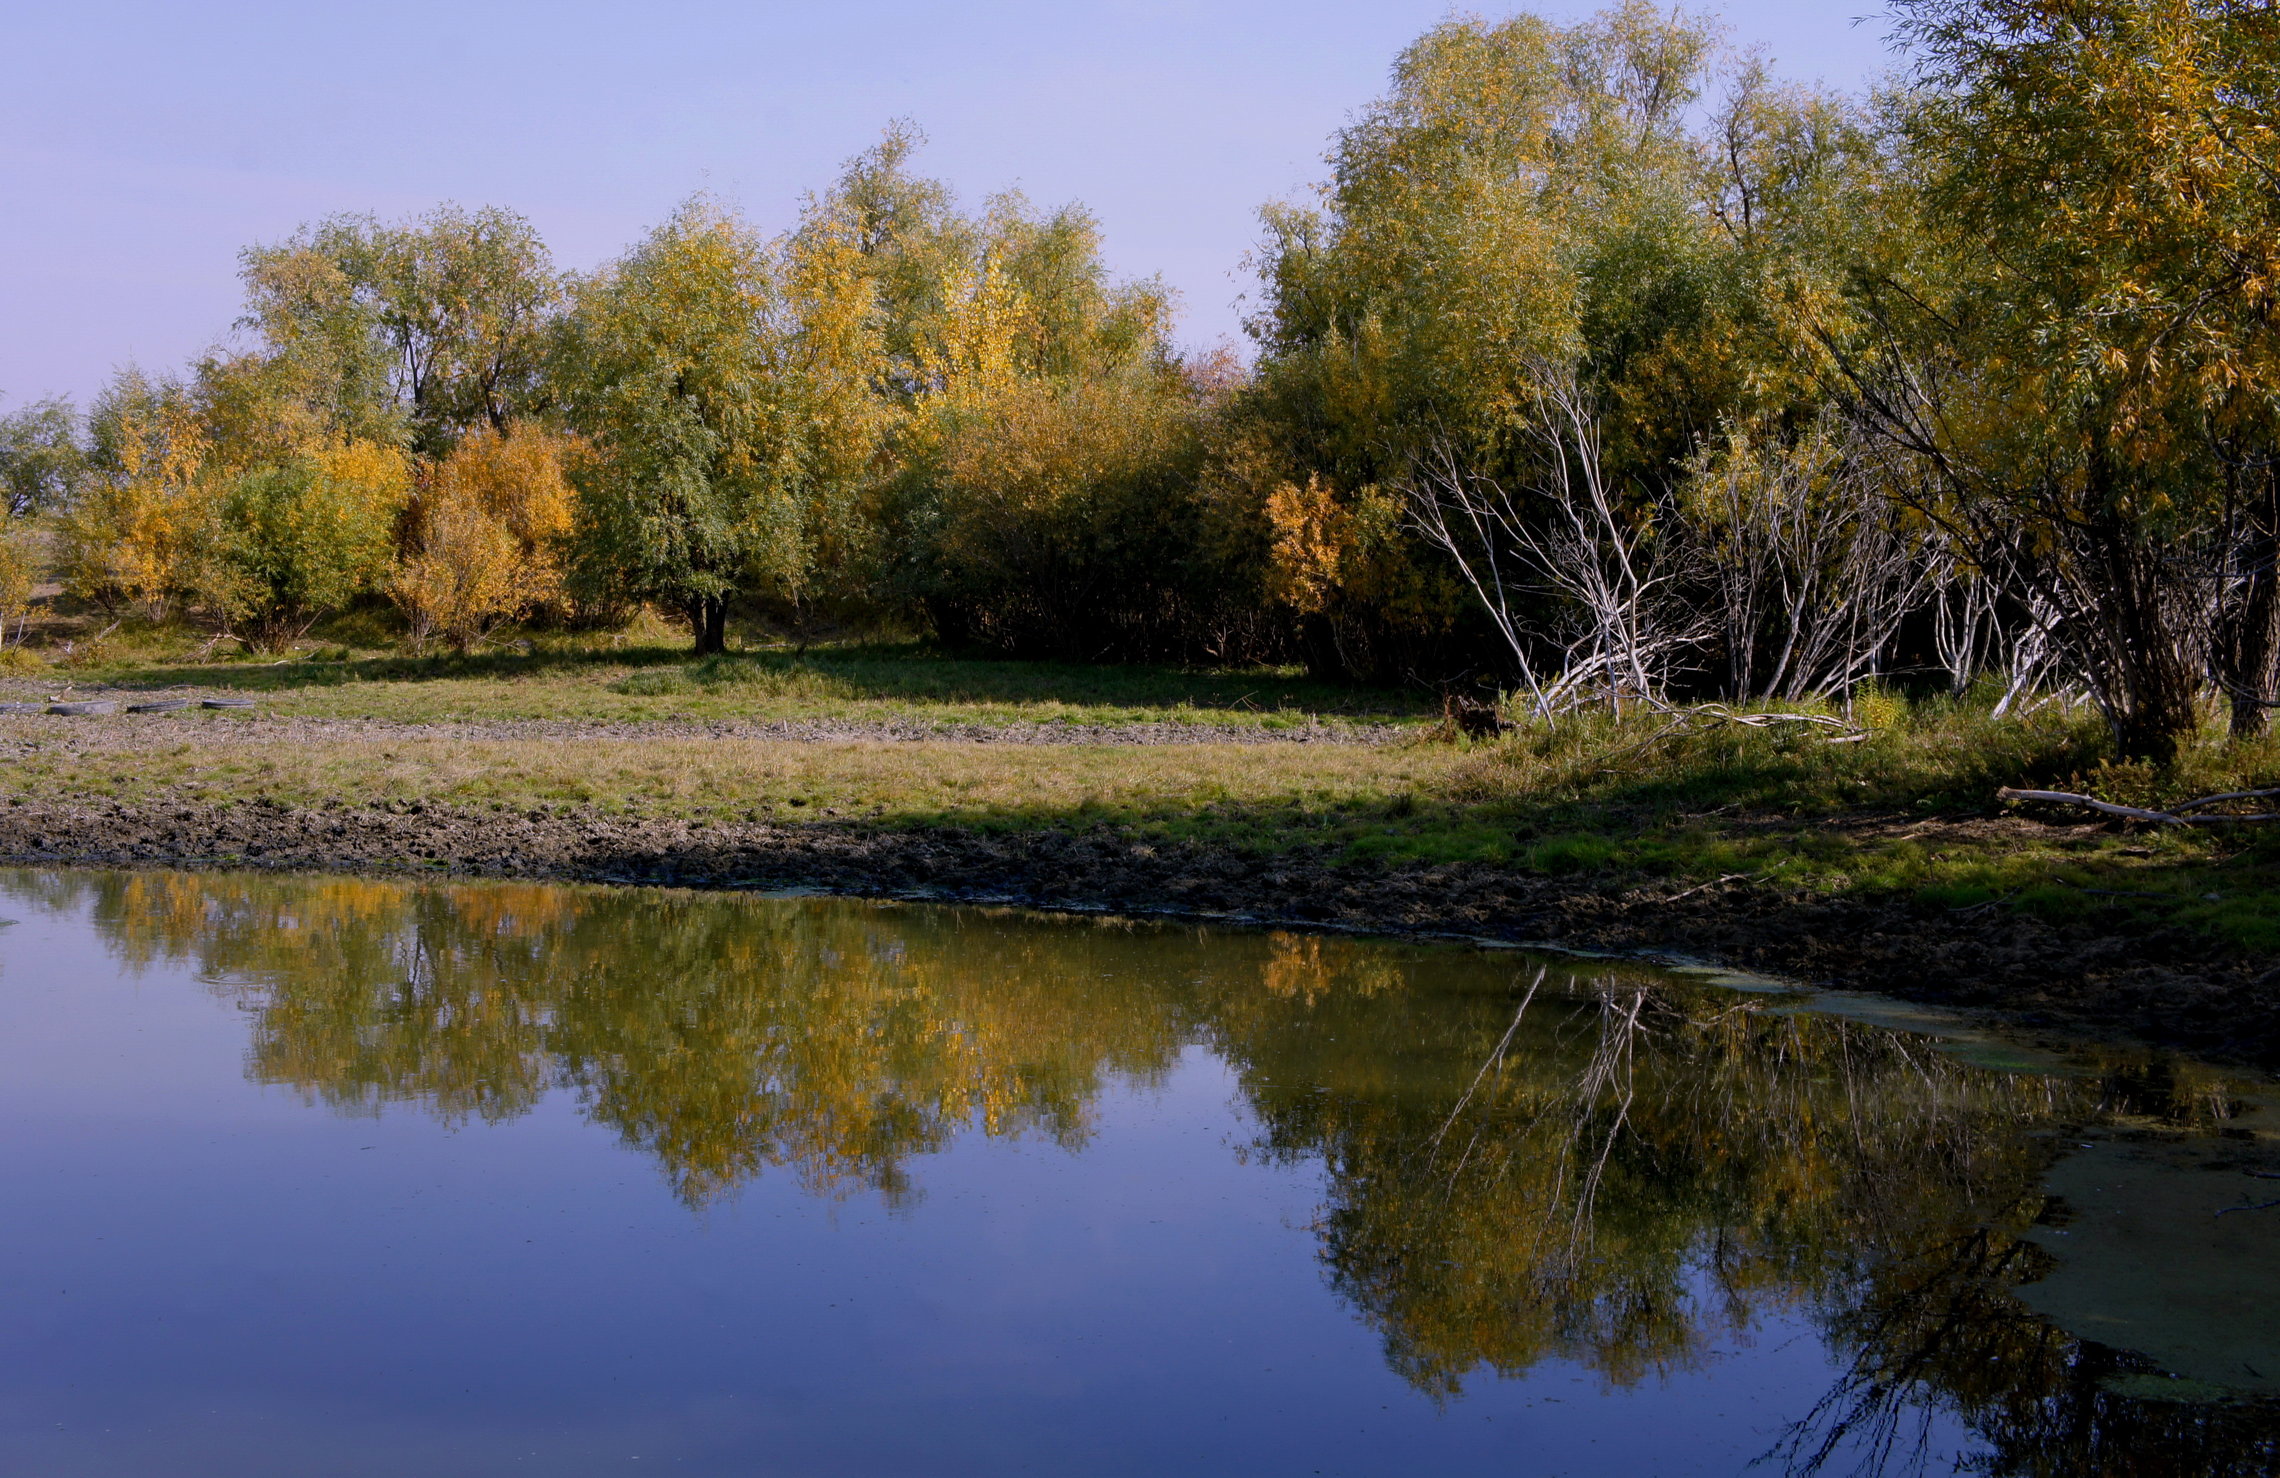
<point>1732,877</point>
<point>2175,817</point>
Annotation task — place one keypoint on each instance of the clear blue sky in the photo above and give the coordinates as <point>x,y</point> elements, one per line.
<point>144,142</point>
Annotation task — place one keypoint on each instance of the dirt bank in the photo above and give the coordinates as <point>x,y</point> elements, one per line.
<point>2162,986</point>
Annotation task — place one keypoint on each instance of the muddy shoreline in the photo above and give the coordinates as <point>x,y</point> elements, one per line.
<point>2165,987</point>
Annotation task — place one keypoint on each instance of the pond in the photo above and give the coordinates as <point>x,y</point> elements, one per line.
<point>323,1176</point>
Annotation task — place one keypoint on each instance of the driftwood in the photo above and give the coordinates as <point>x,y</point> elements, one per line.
<point>2179,815</point>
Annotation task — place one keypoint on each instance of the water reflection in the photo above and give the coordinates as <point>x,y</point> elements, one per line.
<point>1521,1162</point>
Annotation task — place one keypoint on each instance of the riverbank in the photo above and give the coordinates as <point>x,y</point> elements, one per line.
<point>2111,974</point>
<point>1881,862</point>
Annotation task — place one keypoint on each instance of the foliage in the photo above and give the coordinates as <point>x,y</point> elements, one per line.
<point>484,536</point>
<point>1533,211</point>
<point>19,574</point>
<point>40,456</point>
<point>1058,519</point>
<point>127,536</point>
<point>288,544</point>
<point>1603,363</point>
<point>423,329</point>
<point>709,369</point>
<point>2096,385</point>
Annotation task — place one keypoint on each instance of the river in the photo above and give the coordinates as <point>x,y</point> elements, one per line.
<point>332,1176</point>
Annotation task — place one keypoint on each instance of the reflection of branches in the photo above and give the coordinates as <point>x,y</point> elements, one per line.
<point>1494,1059</point>
<point>1612,1067</point>
<point>1927,1310</point>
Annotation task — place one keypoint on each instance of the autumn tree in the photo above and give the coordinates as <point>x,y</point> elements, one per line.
<point>1039,489</point>
<point>423,328</point>
<point>288,544</point>
<point>1521,209</point>
<point>484,536</point>
<point>126,537</point>
<point>40,456</point>
<point>2097,388</point>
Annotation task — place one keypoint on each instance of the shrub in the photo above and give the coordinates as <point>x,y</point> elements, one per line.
<point>290,544</point>
<point>484,536</point>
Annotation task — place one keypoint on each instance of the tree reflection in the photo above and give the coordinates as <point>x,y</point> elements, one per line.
<point>1524,1163</point>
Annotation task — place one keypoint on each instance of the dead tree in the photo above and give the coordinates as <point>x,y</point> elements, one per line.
<point>1616,627</point>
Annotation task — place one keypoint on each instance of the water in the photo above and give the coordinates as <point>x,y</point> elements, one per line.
<point>337,1177</point>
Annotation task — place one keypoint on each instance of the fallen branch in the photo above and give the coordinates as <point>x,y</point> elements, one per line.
<point>1732,877</point>
<point>2230,795</point>
<point>2260,1206</point>
<point>1767,720</point>
<point>2176,817</point>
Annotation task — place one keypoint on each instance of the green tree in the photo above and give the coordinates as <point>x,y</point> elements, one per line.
<point>712,373</point>
<point>40,456</point>
<point>1037,490</point>
<point>288,544</point>
<point>424,328</point>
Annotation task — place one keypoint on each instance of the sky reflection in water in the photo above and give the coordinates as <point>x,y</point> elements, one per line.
<point>323,1176</point>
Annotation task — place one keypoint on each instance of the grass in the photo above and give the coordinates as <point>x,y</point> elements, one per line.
<point>1605,802</point>
<point>600,682</point>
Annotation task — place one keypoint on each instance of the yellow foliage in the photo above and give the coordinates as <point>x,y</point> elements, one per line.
<point>129,536</point>
<point>1311,533</point>
<point>18,574</point>
<point>1329,552</point>
<point>485,536</point>
<point>383,473</point>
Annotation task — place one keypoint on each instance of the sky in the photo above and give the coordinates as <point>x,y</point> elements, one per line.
<point>144,143</point>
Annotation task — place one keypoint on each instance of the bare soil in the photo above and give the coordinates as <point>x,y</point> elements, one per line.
<point>2161,986</point>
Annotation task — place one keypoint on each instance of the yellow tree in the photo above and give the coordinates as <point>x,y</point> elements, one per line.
<point>2107,172</point>
<point>126,537</point>
<point>287,544</point>
<point>484,536</point>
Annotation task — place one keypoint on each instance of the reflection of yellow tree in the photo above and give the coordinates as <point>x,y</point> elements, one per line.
<point>723,1038</point>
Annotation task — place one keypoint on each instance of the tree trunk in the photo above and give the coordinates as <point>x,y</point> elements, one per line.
<point>2147,643</point>
<point>708,622</point>
<point>2252,658</point>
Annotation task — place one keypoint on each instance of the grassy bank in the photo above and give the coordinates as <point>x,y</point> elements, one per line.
<point>1907,813</point>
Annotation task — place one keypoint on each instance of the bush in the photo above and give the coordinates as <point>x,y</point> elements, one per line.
<point>483,537</point>
<point>290,544</point>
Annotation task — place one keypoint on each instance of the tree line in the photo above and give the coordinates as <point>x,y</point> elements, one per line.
<point>1604,367</point>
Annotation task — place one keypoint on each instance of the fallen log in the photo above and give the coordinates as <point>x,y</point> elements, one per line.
<point>2176,816</point>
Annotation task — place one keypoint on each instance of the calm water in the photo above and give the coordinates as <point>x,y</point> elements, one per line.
<point>327,1177</point>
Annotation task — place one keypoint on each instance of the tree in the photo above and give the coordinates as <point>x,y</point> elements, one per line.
<point>289,544</point>
<point>484,536</point>
<point>1525,211</point>
<point>1041,440</point>
<point>127,535</point>
<point>2105,173</point>
<point>40,456</point>
<point>427,328</point>
<point>708,368</point>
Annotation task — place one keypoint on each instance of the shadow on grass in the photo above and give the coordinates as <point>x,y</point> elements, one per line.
<point>903,672</point>
<point>282,677</point>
